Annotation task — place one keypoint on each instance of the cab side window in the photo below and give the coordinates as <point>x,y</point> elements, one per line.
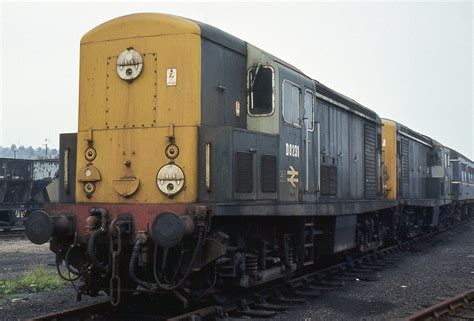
<point>309,111</point>
<point>291,103</point>
<point>261,83</point>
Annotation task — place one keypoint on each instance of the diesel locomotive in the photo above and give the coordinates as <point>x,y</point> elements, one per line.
<point>203,164</point>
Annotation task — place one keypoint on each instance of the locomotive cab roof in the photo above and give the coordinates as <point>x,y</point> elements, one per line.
<point>157,24</point>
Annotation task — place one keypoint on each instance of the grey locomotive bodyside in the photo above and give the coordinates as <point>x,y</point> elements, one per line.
<point>274,163</point>
<point>462,184</point>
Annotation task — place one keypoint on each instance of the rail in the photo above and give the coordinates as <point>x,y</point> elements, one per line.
<point>11,232</point>
<point>460,307</point>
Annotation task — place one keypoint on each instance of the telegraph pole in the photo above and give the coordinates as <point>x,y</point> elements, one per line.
<point>46,146</point>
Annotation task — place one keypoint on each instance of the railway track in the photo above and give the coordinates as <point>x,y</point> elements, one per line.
<point>268,301</point>
<point>8,233</point>
<point>460,307</point>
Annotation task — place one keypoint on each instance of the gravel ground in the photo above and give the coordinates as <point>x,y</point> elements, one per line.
<point>19,255</point>
<point>422,277</point>
<point>16,258</point>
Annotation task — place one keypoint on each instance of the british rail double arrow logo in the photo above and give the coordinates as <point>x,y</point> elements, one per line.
<point>292,176</point>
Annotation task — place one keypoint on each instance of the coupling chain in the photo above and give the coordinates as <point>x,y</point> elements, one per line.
<point>115,283</point>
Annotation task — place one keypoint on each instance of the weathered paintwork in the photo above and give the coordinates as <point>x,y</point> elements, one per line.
<point>294,183</point>
<point>335,160</point>
<point>129,122</point>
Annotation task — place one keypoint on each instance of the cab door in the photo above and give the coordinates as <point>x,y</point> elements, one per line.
<point>291,156</point>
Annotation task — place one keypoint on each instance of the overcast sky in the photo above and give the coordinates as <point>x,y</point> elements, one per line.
<point>408,61</point>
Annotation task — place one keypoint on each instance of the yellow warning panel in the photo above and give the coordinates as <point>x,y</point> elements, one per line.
<point>389,151</point>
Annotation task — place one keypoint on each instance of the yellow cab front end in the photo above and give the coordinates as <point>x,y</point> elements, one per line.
<point>129,177</point>
<point>389,159</point>
<point>139,112</point>
<point>135,106</point>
